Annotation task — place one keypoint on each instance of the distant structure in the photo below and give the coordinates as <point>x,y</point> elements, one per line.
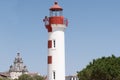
<point>18,68</point>
<point>71,78</point>
<point>4,75</point>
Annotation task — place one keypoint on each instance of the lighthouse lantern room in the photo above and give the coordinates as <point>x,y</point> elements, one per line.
<point>56,24</point>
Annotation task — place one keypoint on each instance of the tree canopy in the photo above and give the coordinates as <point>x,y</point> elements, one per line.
<point>5,79</point>
<point>25,77</point>
<point>105,68</point>
<point>37,77</point>
<point>28,77</point>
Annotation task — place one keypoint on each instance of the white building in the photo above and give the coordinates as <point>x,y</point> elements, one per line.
<point>18,68</point>
<point>71,78</point>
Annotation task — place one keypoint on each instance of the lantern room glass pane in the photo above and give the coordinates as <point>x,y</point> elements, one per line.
<point>55,13</point>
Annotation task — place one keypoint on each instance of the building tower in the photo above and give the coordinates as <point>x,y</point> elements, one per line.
<point>56,24</point>
<point>18,68</point>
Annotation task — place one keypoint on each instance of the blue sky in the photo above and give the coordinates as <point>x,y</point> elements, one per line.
<point>93,32</point>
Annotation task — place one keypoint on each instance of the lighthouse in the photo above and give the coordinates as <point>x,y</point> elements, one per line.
<point>56,25</point>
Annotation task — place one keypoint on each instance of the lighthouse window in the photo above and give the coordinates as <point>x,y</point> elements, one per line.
<point>54,75</point>
<point>56,13</point>
<point>54,43</point>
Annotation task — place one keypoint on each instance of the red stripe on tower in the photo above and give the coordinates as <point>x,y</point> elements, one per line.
<point>49,59</point>
<point>49,28</point>
<point>50,44</point>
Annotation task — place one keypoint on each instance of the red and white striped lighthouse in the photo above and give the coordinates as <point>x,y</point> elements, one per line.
<point>56,24</point>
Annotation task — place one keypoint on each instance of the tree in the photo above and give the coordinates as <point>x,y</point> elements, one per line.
<point>4,78</point>
<point>28,77</point>
<point>105,68</point>
<point>37,77</point>
<point>15,79</point>
<point>25,77</point>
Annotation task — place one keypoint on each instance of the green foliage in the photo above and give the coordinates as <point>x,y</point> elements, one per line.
<point>28,77</point>
<point>37,77</point>
<point>105,68</point>
<point>15,79</point>
<point>25,77</point>
<point>5,79</point>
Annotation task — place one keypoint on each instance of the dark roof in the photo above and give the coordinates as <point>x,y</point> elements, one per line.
<point>4,74</point>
